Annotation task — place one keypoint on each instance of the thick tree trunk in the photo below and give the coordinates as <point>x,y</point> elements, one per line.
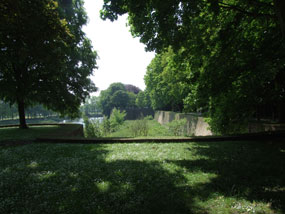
<point>21,111</point>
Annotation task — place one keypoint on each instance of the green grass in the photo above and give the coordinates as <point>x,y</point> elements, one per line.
<point>204,178</point>
<point>34,132</point>
<point>155,130</point>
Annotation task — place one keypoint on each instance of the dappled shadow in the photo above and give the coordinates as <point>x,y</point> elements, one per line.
<point>254,171</point>
<point>84,182</point>
<point>85,179</point>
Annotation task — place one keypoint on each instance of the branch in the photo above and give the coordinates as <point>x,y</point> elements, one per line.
<point>244,11</point>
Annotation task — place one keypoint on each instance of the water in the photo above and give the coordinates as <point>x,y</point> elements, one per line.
<point>80,120</point>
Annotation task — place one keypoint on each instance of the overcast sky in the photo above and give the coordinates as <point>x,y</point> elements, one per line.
<point>122,57</point>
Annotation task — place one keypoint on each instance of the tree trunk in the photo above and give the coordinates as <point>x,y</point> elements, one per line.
<point>21,111</point>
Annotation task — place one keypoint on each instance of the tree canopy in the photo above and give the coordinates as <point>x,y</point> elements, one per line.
<point>223,57</point>
<point>175,22</point>
<point>119,96</point>
<point>132,88</point>
<point>166,81</point>
<point>45,56</point>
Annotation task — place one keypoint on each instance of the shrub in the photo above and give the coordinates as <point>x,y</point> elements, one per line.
<point>116,119</point>
<point>177,127</point>
<point>140,127</point>
<point>149,117</point>
<point>105,126</point>
<point>91,128</point>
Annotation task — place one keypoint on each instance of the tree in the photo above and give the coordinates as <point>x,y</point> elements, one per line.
<point>132,100</point>
<point>116,96</point>
<point>120,99</point>
<point>105,97</point>
<point>167,81</point>
<point>143,100</point>
<point>231,54</point>
<point>44,55</point>
<point>132,88</point>
<point>172,22</point>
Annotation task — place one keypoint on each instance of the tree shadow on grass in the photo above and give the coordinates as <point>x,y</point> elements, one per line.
<point>80,179</point>
<point>254,171</point>
<point>67,180</point>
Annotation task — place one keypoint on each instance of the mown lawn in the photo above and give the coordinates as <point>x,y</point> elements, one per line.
<point>205,178</point>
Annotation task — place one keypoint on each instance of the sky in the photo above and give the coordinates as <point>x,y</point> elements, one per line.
<point>122,58</point>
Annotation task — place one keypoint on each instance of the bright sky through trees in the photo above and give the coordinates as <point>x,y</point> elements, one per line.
<point>122,58</point>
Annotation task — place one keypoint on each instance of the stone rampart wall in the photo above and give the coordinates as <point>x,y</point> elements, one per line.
<point>196,126</point>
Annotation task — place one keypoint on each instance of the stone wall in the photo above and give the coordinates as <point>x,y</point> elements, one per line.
<point>195,124</point>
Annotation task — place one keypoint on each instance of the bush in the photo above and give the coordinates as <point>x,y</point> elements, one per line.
<point>177,127</point>
<point>116,119</point>
<point>105,126</point>
<point>91,128</point>
<point>140,127</point>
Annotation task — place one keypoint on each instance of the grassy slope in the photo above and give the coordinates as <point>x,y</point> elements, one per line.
<point>36,131</point>
<point>208,178</point>
<point>155,130</point>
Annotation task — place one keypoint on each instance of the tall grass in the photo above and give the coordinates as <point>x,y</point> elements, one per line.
<point>141,128</point>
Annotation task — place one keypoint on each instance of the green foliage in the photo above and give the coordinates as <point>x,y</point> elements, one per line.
<point>45,56</point>
<point>140,127</point>
<point>117,118</point>
<point>132,100</point>
<point>120,99</point>
<point>152,127</point>
<point>116,96</point>
<point>167,80</point>
<point>225,58</point>
<point>105,126</point>
<point>88,129</point>
<point>92,128</point>
<point>96,128</point>
<point>176,23</point>
<point>141,100</point>
<point>177,127</point>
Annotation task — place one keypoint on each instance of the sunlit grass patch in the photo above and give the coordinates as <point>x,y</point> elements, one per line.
<point>154,130</point>
<point>217,177</point>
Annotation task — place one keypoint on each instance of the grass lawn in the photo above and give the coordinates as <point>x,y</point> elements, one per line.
<point>204,178</point>
<point>37,131</point>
